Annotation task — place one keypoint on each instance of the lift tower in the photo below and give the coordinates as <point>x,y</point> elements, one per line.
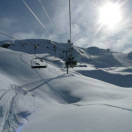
<point>70,62</point>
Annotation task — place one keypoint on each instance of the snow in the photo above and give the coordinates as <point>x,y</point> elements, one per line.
<point>96,118</point>
<point>117,78</point>
<point>124,59</point>
<point>96,98</point>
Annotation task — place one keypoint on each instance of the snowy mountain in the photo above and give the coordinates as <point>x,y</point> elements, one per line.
<point>93,55</point>
<point>130,55</point>
<point>95,96</point>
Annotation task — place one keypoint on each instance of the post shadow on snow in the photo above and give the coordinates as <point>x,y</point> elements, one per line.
<point>65,95</point>
<point>116,79</point>
<point>108,105</point>
<point>118,107</point>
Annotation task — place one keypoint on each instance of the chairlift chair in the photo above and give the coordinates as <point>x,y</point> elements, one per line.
<point>38,63</point>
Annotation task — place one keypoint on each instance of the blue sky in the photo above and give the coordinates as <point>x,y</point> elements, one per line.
<point>17,21</point>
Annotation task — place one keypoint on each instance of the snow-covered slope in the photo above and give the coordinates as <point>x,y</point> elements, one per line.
<point>50,100</point>
<point>95,56</point>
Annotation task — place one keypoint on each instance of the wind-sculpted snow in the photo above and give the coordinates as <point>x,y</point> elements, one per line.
<point>113,78</point>
<point>49,100</point>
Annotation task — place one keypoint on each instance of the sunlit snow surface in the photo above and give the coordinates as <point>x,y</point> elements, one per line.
<point>96,97</point>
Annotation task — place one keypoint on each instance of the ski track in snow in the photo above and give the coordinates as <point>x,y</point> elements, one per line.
<point>8,109</point>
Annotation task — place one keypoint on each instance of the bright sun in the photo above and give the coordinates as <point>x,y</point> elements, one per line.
<point>110,15</point>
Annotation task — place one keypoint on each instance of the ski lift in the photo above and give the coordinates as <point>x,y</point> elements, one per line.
<point>70,60</point>
<point>38,62</point>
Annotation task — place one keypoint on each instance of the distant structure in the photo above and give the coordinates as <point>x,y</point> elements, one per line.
<point>37,62</point>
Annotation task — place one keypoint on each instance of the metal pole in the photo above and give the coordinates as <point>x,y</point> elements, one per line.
<point>67,68</point>
<point>69,41</point>
<point>70,18</point>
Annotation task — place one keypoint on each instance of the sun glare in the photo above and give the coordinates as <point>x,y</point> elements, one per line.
<point>110,15</point>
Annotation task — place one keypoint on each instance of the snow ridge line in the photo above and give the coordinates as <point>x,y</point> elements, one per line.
<point>108,105</point>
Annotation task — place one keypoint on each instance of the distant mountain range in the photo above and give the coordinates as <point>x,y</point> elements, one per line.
<point>98,57</point>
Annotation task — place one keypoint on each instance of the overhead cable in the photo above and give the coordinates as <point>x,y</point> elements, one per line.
<point>45,11</point>
<point>9,36</point>
<point>35,16</point>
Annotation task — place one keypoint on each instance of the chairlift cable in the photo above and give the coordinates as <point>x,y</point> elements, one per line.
<point>70,19</point>
<point>7,35</point>
<point>35,16</point>
<point>46,12</point>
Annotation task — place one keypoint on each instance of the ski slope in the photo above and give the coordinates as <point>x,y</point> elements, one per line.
<point>50,100</point>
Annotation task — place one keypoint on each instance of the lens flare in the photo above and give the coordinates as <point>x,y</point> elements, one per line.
<point>110,15</point>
